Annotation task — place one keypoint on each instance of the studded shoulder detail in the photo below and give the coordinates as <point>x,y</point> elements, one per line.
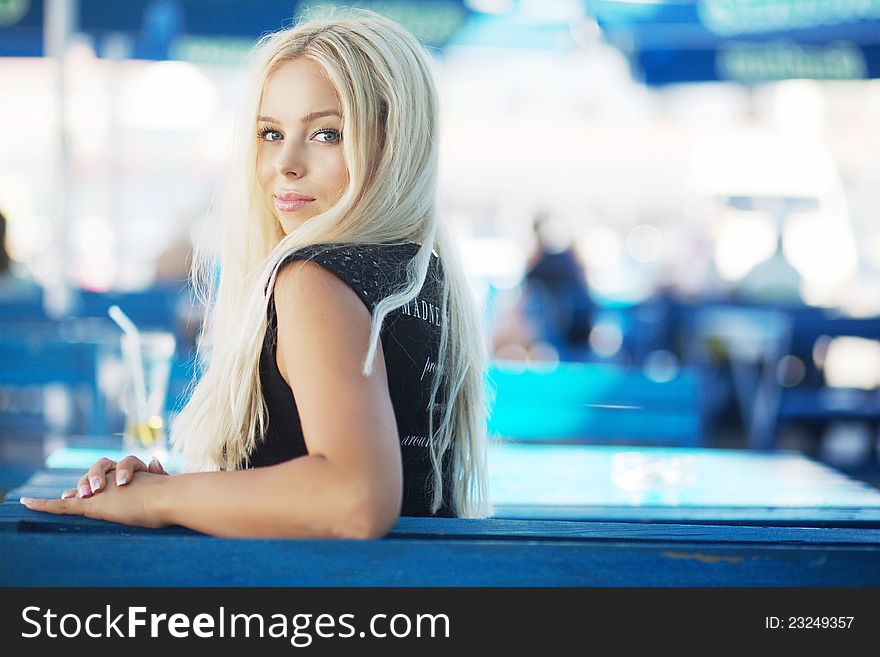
<point>367,269</point>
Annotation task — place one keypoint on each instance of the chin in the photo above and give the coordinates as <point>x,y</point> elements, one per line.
<point>288,225</point>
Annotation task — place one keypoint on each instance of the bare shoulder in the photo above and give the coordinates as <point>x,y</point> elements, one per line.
<point>306,283</point>
<point>321,321</point>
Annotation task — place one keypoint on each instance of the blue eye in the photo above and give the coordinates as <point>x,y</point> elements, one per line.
<point>331,136</point>
<point>265,132</point>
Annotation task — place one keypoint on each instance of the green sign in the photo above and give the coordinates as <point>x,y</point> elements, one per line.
<point>12,11</point>
<point>726,17</point>
<point>432,22</point>
<point>211,50</point>
<point>783,60</point>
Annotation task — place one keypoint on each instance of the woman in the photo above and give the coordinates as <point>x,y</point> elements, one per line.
<point>342,321</point>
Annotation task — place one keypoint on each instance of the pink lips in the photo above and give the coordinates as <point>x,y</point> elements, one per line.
<point>291,201</point>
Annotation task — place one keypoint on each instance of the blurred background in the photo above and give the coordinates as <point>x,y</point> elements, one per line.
<point>668,209</point>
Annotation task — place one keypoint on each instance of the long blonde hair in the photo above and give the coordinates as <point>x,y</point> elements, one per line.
<point>383,78</point>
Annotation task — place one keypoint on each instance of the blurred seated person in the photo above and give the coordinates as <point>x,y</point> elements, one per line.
<point>556,297</point>
<point>774,280</point>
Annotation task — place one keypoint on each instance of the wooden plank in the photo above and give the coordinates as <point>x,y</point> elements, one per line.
<point>18,519</point>
<point>101,560</point>
<point>585,530</point>
<point>757,516</point>
<point>772,516</point>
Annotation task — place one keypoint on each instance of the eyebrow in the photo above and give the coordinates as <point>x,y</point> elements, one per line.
<point>308,118</point>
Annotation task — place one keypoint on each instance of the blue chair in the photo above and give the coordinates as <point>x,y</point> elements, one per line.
<point>30,362</point>
<point>751,340</point>
<point>594,403</point>
<point>156,307</point>
<point>28,308</point>
<point>813,400</point>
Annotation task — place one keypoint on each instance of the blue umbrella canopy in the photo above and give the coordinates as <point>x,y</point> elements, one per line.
<point>177,29</point>
<point>745,41</point>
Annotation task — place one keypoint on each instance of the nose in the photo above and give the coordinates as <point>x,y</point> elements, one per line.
<point>290,160</point>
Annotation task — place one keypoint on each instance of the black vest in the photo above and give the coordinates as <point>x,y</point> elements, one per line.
<point>410,341</point>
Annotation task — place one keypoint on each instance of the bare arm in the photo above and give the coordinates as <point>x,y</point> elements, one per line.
<point>350,484</point>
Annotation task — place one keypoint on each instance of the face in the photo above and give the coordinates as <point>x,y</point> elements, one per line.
<point>300,164</point>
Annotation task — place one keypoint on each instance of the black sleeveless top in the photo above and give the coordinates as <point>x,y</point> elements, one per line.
<point>410,341</point>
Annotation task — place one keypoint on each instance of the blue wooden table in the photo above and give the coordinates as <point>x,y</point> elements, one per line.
<point>681,485</point>
<point>615,484</point>
<point>728,519</point>
<point>57,551</point>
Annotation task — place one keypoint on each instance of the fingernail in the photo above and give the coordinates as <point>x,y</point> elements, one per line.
<point>66,494</point>
<point>96,484</point>
<point>84,491</point>
<point>154,460</point>
<point>121,477</point>
<point>25,500</point>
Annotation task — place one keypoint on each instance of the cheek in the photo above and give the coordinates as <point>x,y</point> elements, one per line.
<point>340,175</point>
<point>265,170</point>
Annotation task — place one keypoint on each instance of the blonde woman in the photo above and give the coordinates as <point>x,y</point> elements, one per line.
<point>344,361</point>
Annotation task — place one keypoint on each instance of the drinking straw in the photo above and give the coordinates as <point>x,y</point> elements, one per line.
<point>134,357</point>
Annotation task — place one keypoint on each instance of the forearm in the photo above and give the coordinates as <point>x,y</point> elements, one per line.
<point>305,497</point>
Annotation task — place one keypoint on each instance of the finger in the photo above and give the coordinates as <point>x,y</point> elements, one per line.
<point>83,489</point>
<point>84,485</point>
<point>70,492</point>
<point>71,507</point>
<point>126,468</point>
<point>96,476</point>
<point>155,467</point>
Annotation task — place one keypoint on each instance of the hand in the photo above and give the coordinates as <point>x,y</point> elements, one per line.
<point>95,479</point>
<point>129,504</point>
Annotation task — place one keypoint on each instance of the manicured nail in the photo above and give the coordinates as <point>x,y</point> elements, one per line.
<point>26,500</point>
<point>96,484</point>
<point>121,477</point>
<point>66,495</point>
<point>84,491</point>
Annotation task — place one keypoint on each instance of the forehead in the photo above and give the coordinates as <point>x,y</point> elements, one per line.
<point>295,88</point>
